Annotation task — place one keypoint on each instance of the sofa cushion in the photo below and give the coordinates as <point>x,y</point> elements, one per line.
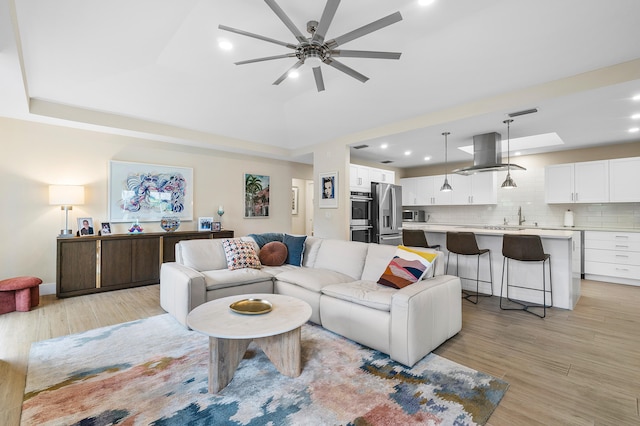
<point>295,248</point>
<point>240,254</point>
<point>222,278</point>
<point>273,253</point>
<point>407,267</point>
<point>201,254</point>
<point>313,279</point>
<point>311,248</point>
<point>365,293</point>
<point>378,257</point>
<point>346,257</point>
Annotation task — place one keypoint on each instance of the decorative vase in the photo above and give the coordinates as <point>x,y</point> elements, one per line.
<point>170,224</point>
<point>135,228</point>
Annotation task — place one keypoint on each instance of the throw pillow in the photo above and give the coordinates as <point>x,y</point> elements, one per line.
<point>262,239</point>
<point>295,248</point>
<point>273,253</point>
<point>240,254</point>
<point>407,267</point>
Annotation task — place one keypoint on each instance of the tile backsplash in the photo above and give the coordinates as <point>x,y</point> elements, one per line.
<point>530,196</point>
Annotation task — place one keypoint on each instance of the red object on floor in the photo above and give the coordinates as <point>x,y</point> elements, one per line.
<point>19,294</point>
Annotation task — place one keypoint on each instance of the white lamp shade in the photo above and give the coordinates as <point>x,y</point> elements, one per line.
<point>66,195</point>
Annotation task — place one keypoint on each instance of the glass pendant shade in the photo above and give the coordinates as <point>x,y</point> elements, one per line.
<point>508,182</point>
<point>445,186</point>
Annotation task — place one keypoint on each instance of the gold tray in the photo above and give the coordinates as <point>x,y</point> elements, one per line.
<point>251,306</point>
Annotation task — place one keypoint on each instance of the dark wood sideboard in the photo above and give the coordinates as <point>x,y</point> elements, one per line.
<point>94,264</point>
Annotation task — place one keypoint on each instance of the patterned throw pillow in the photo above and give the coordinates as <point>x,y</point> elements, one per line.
<point>240,254</point>
<point>407,267</point>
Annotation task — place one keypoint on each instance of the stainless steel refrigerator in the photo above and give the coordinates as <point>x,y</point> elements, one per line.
<point>386,214</point>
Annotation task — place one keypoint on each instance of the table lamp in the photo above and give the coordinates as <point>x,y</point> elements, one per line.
<point>66,196</point>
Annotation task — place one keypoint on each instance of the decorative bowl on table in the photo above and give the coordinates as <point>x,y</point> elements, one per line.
<point>170,224</point>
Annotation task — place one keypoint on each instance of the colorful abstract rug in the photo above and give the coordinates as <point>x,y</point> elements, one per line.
<point>154,371</point>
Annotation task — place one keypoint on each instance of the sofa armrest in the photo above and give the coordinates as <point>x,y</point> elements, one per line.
<point>423,316</point>
<point>181,290</point>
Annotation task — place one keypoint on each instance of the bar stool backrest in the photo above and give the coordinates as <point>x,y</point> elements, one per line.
<point>463,243</point>
<point>523,247</point>
<point>414,238</point>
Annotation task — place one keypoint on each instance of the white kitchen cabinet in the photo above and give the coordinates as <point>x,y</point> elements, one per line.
<point>612,257</point>
<point>586,182</point>
<point>360,177</point>
<point>479,188</point>
<point>418,191</point>
<point>409,191</point>
<point>624,176</point>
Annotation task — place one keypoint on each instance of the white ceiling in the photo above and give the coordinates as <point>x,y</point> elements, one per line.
<point>153,68</point>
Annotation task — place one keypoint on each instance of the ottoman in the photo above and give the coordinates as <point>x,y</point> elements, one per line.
<point>19,294</point>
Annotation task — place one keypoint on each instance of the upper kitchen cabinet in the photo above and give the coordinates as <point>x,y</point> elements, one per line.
<point>360,177</point>
<point>586,182</point>
<point>479,188</point>
<point>624,175</point>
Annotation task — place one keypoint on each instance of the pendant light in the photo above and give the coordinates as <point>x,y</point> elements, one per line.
<point>445,186</point>
<point>508,182</point>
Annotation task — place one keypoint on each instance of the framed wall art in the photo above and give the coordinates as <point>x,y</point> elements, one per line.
<point>328,195</point>
<point>256,195</point>
<point>294,200</point>
<point>147,192</point>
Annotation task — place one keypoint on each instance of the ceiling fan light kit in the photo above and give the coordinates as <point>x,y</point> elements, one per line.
<point>314,50</point>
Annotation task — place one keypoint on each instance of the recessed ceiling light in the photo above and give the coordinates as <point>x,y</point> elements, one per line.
<point>407,153</point>
<point>427,158</point>
<point>384,146</point>
<point>634,130</point>
<point>635,116</point>
<point>225,44</point>
<point>425,2</point>
<point>636,97</point>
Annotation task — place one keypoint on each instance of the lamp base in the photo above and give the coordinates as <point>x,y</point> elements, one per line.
<point>65,233</point>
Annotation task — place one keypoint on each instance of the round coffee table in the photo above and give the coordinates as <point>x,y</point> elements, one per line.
<point>276,332</point>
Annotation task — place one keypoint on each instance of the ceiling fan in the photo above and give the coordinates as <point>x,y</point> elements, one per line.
<point>315,49</point>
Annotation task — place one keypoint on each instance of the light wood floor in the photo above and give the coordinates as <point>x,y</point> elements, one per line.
<point>578,367</point>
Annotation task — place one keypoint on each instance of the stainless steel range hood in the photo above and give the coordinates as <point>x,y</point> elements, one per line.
<point>487,155</point>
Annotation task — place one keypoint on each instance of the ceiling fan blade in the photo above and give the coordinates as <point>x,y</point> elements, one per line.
<point>286,74</point>
<point>266,58</point>
<point>317,74</point>
<point>259,37</point>
<point>362,31</point>
<point>345,69</point>
<point>285,19</point>
<point>365,54</point>
<point>327,16</point>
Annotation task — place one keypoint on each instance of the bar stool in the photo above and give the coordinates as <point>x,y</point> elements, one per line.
<point>416,238</point>
<point>464,243</point>
<point>526,248</point>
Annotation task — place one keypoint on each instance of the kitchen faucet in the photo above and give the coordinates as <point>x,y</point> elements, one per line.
<point>521,219</point>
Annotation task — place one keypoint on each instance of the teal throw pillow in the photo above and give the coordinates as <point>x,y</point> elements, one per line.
<point>295,248</point>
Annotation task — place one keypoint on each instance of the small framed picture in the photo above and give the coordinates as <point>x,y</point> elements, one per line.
<point>328,197</point>
<point>106,228</point>
<point>85,226</point>
<point>204,223</point>
<point>216,226</point>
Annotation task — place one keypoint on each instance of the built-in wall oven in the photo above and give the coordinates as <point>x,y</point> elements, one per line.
<point>360,225</point>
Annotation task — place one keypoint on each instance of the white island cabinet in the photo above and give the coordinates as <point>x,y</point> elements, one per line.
<point>561,245</point>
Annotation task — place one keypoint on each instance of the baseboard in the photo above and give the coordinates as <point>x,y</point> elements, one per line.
<point>47,288</point>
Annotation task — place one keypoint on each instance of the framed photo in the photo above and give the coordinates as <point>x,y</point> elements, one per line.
<point>205,223</point>
<point>216,226</point>
<point>294,200</point>
<point>85,226</point>
<point>147,192</point>
<point>256,196</point>
<point>328,190</point>
<point>105,228</point>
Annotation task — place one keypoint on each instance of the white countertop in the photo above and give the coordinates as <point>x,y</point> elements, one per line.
<point>411,225</point>
<point>481,230</point>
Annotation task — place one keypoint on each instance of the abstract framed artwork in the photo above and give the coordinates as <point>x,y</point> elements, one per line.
<point>256,196</point>
<point>147,192</point>
<point>294,200</point>
<point>328,195</point>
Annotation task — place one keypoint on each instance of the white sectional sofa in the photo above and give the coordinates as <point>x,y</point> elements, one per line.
<point>339,280</point>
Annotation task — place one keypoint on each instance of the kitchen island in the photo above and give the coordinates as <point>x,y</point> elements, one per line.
<point>562,245</point>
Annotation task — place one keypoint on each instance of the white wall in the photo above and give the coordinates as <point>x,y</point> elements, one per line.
<point>37,155</point>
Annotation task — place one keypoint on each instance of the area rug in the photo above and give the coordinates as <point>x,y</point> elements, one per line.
<point>154,372</point>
